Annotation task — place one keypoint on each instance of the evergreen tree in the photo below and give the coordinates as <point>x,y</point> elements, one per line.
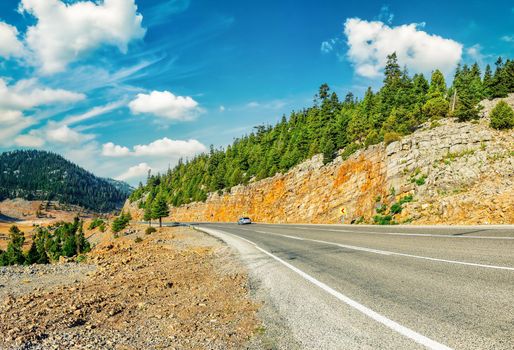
<point>160,208</point>
<point>148,213</point>
<point>32,256</point>
<point>502,116</point>
<point>14,254</point>
<point>488,82</point>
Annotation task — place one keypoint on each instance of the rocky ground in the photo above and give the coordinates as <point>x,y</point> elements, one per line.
<point>177,289</point>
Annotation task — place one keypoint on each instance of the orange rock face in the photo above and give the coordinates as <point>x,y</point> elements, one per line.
<point>456,173</point>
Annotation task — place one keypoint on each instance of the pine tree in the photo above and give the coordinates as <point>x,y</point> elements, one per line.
<point>148,212</point>
<point>160,208</point>
<point>488,81</point>
<point>502,116</point>
<point>14,253</point>
<point>32,256</point>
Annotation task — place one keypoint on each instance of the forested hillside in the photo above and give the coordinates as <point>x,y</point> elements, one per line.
<point>402,104</point>
<point>38,175</point>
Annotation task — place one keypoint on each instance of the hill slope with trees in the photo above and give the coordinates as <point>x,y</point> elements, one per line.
<point>400,106</point>
<point>39,175</point>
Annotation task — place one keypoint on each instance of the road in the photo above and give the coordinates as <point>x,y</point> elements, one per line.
<point>353,287</point>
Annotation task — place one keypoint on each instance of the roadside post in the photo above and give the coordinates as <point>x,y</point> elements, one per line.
<point>343,213</point>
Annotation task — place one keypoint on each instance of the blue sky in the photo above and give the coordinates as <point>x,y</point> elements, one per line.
<point>123,86</point>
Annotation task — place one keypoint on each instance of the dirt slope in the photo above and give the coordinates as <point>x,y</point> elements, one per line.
<point>177,289</point>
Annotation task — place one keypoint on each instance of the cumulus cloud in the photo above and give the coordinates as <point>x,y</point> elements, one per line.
<point>164,147</point>
<point>10,46</point>
<point>26,94</point>
<point>64,32</point>
<point>137,171</point>
<point>65,135</point>
<point>166,105</point>
<point>370,43</point>
<point>111,150</point>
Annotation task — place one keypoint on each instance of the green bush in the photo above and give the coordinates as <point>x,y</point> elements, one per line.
<point>97,223</point>
<point>396,208</point>
<point>383,219</point>
<point>436,107</point>
<point>390,137</point>
<point>121,222</point>
<point>502,116</point>
<point>138,240</point>
<point>150,230</point>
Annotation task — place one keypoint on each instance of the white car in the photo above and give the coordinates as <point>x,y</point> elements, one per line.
<point>244,221</point>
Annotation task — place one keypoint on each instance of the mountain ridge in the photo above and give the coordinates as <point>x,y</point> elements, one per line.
<point>41,175</point>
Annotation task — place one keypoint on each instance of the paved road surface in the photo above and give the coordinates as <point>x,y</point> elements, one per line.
<point>347,287</point>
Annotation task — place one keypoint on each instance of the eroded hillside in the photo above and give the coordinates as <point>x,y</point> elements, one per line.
<point>456,173</point>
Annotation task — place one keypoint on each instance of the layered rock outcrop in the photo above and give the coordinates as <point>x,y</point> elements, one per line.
<point>457,173</point>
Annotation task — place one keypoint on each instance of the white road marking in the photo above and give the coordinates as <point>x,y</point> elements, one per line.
<point>406,332</point>
<point>401,233</point>
<point>386,252</point>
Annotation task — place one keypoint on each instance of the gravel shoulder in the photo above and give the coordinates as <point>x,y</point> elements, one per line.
<point>177,289</point>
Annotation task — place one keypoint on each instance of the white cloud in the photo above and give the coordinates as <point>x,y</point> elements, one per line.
<point>64,32</point>
<point>11,124</point>
<point>370,43</point>
<point>65,135</point>
<point>508,38</point>
<point>29,140</point>
<point>10,46</point>
<point>166,147</point>
<point>222,108</point>
<point>111,150</point>
<point>26,94</point>
<point>165,105</point>
<point>137,171</point>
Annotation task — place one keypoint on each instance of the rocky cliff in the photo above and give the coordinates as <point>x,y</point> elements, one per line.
<point>456,173</point>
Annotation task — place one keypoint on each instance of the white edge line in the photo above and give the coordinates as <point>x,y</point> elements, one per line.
<point>406,332</point>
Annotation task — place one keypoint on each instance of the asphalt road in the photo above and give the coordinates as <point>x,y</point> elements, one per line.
<point>340,287</point>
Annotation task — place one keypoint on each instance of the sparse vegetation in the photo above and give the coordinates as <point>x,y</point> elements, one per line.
<point>48,244</point>
<point>121,222</point>
<point>100,223</point>
<point>150,230</point>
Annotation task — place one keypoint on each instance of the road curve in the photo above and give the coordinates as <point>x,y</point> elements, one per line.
<point>341,287</point>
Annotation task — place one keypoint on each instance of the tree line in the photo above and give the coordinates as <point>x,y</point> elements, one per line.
<point>398,108</point>
<point>48,244</point>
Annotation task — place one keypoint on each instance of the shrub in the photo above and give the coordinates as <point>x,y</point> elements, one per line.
<point>390,137</point>
<point>502,116</point>
<point>396,208</point>
<point>138,240</point>
<point>436,107</point>
<point>121,222</point>
<point>383,219</point>
<point>96,223</point>
<point>150,230</point>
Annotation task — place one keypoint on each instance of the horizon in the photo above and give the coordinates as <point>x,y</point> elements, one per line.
<point>135,92</point>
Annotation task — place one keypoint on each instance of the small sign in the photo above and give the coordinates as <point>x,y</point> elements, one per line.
<point>343,211</point>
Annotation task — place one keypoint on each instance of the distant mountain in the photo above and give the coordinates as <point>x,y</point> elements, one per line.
<point>39,175</point>
<point>121,186</point>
